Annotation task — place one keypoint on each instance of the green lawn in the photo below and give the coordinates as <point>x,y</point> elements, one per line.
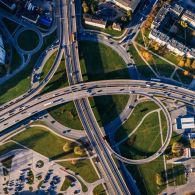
<point>145,141</point>
<point>179,76</point>
<point>66,114</point>
<point>28,40</point>
<point>11,26</point>
<point>107,108</point>
<point>66,184</point>
<point>7,147</point>
<point>84,168</point>
<point>145,176</point>
<point>44,142</point>
<point>176,175</point>
<point>15,61</point>
<point>21,82</point>
<point>59,79</point>
<point>139,112</point>
<point>100,62</point>
<point>161,67</point>
<point>99,190</point>
<point>142,67</point>
<point>48,65</point>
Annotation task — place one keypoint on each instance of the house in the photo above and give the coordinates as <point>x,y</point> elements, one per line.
<point>116,26</point>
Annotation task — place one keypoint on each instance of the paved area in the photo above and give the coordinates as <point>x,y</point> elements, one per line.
<point>49,177</point>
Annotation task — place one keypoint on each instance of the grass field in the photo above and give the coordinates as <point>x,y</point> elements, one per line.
<point>11,26</point>
<point>99,190</point>
<point>145,176</point>
<point>139,112</point>
<point>179,76</point>
<point>44,142</point>
<point>139,146</point>
<point>20,83</point>
<point>59,79</point>
<point>142,67</point>
<point>161,67</point>
<point>66,184</point>
<point>8,147</point>
<point>84,168</point>
<point>100,62</point>
<point>48,65</point>
<point>25,37</point>
<point>107,108</point>
<point>66,114</point>
<point>15,61</point>
<point>176,175</point>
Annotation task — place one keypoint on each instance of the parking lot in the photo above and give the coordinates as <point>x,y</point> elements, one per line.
<point>31,171</point>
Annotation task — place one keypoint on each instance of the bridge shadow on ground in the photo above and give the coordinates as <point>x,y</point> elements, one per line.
<point>95,65</point>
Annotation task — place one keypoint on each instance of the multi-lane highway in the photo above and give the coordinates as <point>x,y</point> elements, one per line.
<point>114,180</point>
<point>98,88</point>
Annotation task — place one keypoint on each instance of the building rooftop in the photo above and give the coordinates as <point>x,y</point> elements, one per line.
<point>190,15</point>
<point>178,9</point>
<point>89,18</point>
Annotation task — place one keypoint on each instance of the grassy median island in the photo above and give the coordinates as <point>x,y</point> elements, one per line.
<point>99,190</point>
<point>139,112</point>
<point>45,142</point>
<point>84,168</point>
<point>28,40</point>
<point>138,146</point>
<point>99,62</point>
<point>48,65</point>
<point>11,26</point>
<point>66,114</point>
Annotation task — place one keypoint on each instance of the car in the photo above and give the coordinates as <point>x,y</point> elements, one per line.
<point>76,191</point>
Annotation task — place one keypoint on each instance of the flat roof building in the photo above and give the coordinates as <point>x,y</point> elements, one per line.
<point>127,4</point>
<point>94,21</point>
<point>185,123</point>
<point>189,17</point>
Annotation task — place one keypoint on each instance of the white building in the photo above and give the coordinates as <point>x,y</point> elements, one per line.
<point>189,17</point>
<point>185,123</point>
<point>95,22</point>
<point>2,51</point>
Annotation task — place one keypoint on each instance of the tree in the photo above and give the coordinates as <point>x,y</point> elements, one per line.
<point>181,63</point>
<point>192,143</point>
<point>188,62</point>
<point>176,149</point>
<point>146,55</point>
<point>85,7</point>
<point>67,147</point>
<point>193,64</point>
<point>159,179</point>
<point>129,14</point>
<point>78,150</point>
<point>186,73</point>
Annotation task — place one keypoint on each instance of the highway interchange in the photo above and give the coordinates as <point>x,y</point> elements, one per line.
<point>31,103</point>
